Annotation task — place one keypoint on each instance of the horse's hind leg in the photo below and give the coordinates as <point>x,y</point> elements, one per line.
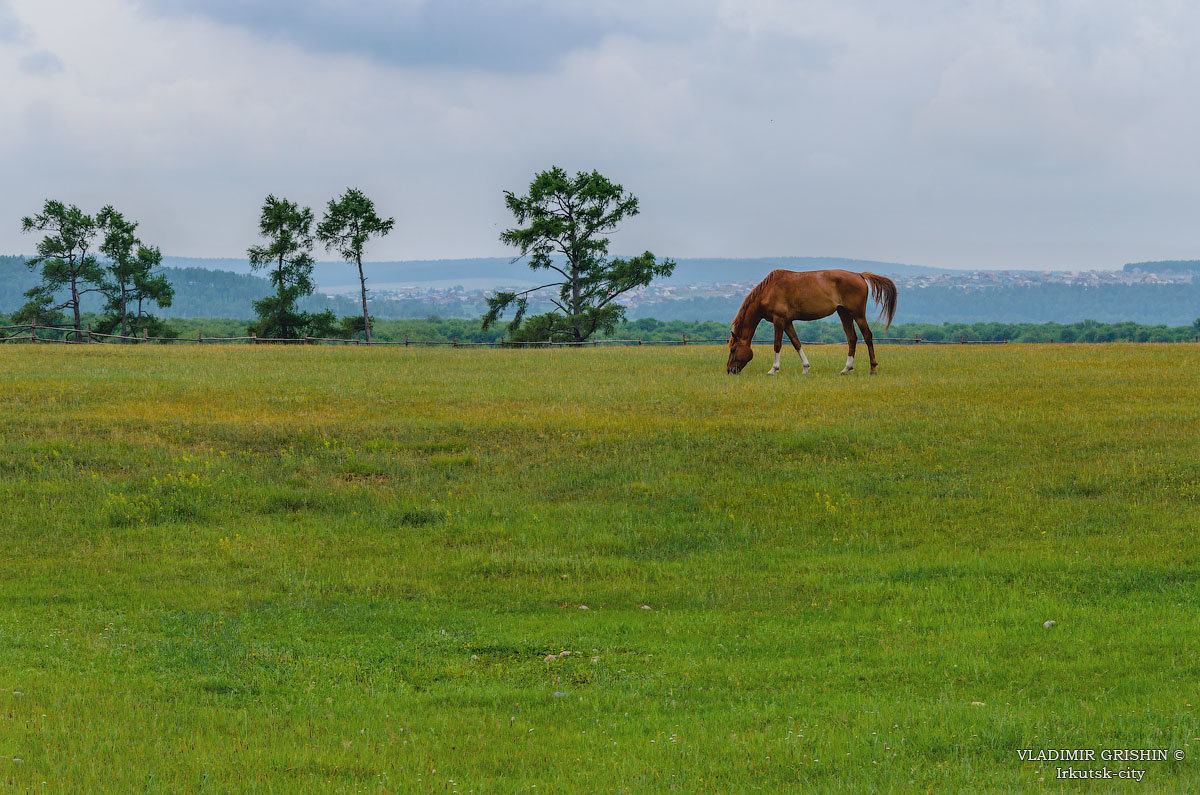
<point>791,332</point>
<point>778,344</point>
<point>851,337</point>
<point>869,339</point>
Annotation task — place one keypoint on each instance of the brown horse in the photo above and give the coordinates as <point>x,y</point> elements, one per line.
<point>785,296</point>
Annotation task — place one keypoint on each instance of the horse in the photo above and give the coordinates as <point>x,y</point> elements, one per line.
<point>785,296</point>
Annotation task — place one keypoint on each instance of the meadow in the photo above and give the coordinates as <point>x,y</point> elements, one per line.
<point>323,568</point>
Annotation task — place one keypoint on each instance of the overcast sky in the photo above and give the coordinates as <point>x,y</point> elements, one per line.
<point>955,134</point>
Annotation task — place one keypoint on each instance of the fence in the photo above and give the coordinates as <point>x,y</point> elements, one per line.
<point>67,335</point>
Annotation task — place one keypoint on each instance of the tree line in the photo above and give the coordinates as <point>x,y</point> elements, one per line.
<point>560,215</point>
<point>132,282</point>
<point>437,329</point>
<point>128,280</point>
<point>562,223</point>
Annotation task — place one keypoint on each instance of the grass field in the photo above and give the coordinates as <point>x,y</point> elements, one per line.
<point>286,569</point>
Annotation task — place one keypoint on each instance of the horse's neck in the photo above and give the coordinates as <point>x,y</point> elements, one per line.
<point>749,323</point>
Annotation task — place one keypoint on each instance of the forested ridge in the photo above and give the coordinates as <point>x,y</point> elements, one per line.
<point>1172,304</point>
<point>200,292</point>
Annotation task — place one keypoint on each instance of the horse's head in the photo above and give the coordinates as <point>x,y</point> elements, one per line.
<point>740,354</point>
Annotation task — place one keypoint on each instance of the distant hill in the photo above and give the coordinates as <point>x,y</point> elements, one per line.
<point>701,271</point>
<point>15,279</point>
<point>1151,304</point>
<point>1164,266</point>
<point>487,272</point>
<point>204,292</point>
<point>201,292</point>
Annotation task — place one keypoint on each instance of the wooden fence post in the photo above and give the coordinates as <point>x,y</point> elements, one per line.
<point>685,339</point>
<point>918,340</point>
<point>146,334</point>
<point>405,340</point>
<point>253,339</point>
<point>89,332</point>
<point>639,342</point>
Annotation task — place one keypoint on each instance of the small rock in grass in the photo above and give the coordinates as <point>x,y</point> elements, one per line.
<point>584,607</point>
<point>551,657</point>
<point>647,607</point>
<point>595,659</point>
<point>564,654</point>
<point>474,656</point>
<point>559,694</point>
<point>978,704</point>
<point>1049,624</point>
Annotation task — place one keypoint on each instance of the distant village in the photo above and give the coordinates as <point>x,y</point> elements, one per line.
<point>965,280</point>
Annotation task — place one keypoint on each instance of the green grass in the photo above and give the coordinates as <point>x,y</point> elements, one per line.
<point>326,568</point>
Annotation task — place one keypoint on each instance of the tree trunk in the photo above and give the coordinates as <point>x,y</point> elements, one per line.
<point>280,330</point>
<point>576,332</point>
<point>362,280</point>
<point>573,259</point>
<point>75,305</point>
<point>124,311</point>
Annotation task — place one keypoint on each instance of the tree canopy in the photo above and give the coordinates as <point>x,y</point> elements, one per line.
<point>131,277</point>
<point>288,230</point>
<point>562,221</point>
<point>349,222</point>
<point>64,262</point>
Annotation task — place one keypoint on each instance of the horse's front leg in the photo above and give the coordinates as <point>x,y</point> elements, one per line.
<point>791,332</point>
<point>778,344</point>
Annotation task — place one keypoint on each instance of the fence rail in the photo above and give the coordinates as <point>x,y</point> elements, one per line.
<point>68,335</point>
<point>28,333</point>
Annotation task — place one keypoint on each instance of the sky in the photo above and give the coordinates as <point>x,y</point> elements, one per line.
<point>999,134</point>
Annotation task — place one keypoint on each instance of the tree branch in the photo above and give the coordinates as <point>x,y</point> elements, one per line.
<point>614,295</point>
<point>535,289</point>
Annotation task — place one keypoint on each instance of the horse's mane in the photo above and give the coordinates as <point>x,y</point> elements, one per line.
<point>751,298</point>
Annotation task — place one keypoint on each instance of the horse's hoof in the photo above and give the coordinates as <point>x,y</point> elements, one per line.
<point>772,372</point>
<point>843,372</point>
<point>805,371</point>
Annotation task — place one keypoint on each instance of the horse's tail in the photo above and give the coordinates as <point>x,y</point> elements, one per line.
<point>883,290</point>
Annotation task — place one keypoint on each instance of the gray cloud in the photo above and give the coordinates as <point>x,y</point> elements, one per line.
<point>961,133</point>
<point>11,29</point>
<point>499,35</point>
<point>43,63</point>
